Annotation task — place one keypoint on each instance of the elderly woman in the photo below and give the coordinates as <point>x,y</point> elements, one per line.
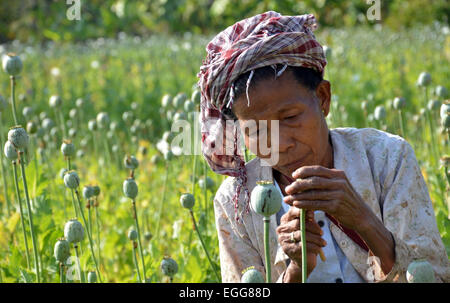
<point>368,207</point>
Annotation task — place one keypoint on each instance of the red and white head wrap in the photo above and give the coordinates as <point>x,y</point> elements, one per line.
<point>266,39</point>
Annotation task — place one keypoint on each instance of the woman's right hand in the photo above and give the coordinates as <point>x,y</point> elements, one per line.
<point>290,222</point>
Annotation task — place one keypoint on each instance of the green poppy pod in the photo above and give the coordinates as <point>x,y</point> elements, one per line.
<point>196,96</point>
<point>399,103</point>
<point>18,136</point>
<point>92,125</point>
<point>424,79</point>
<point>12,64</point>
<point>265,198</point>
<point>103,120</point>
<point>27,112</point>
<point>433,105</point>
<point>131,162</point>
<point>169,267</point>
<point>379,113</point>
<point>189,106</point>
<point>445,109</point>
<point>71,179</point>
<point>420,271</point>
<point>62,250</point>
<point>132,235</point>
<point>55,101</point>
<point>252,275</point>
<point>88,192</point>
<point>166,101</point>
<point>32,127</point>
<point>208,184</point>
<point>441,92</point>
<point>130,188</point>
<point>96,190</point>
<point>73,231</point>
<point>10,151</point>
<point>62,172</point>
<point>179,100</point>
<point>187,200</point>
<point>68,148</point>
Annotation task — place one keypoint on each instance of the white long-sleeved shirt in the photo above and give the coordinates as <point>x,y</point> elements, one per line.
<point>383,170</point>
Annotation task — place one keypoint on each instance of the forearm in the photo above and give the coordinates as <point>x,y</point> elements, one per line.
<point>379,240</point>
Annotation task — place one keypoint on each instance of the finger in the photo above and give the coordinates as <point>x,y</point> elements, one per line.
<point>328,206</point>
<point>315,194</point>
<point>310,237</point>
<point>313,227</point>
<point>294,212</point>
<point>317,170</point>
<point>314,182</point>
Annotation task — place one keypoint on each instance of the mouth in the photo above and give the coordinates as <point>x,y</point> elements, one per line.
<point>294,165</point>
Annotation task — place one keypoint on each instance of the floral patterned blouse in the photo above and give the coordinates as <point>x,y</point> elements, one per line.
<point>383,169</point>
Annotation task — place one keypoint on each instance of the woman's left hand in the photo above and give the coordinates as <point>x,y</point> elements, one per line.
<point>321,188</point>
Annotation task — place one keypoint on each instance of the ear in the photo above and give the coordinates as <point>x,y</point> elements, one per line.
<point>323,92</point>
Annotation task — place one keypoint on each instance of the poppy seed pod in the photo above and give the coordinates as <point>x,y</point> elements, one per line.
<point>179,116</point>
<point>62,250</point>
<point>92,125</point>
<point>79,103</point>
<point>179,100</point>
<point>364,105</point>
<point>54,132</point>
<point>73,113</point>
<point>168,155</point>
<point>196,96</point>
<point>441,91</point>
<point>12,64</point>
<point>187,201</point>
<point>92,277</point>
<point>166,101</point>
<point>189,106</point>
<point>209,183</point>
<point>73,231</point>
<point>169,267</point>
<point>433,105</point>
<point>47,124</point>
<point>252,275</point>
<point>327,51</point>
<point>168,136</point>
<point>127,117</point>
<point>379,113</point>
<point>131,162</point>
<point>103,120</point>
<point>55,101</point>
<point>130,188</point>
<point>143,150</point>
<point>132,235</point>
<point>424,79</point>
<point>18,136</point>
<point>420,271</point>
<point>88,192</point>
<point>445,109</point>
<point>169,115</point>
<point>68,148</point>
<point>27,112</point>
<point>113,126</point>
<point>43,115</point>
<point>399,103</point>
<point>148,236</point>
<point>96,190</point>
<point>71,179</point>
<point>72,132</point>
<point>265,198</point>
<point>62,172</point>
<point>32,127</point>
<point>10,151</point>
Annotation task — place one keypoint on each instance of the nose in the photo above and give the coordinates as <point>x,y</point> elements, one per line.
<point>283,141</point>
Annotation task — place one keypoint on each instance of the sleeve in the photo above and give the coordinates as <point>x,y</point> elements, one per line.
<point>236,249</point>
<point>408,214</point>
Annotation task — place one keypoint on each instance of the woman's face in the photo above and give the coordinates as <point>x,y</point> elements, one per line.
<point>303,132</point>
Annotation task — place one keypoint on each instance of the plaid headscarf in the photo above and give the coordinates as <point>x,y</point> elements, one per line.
<point>266,39</point>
